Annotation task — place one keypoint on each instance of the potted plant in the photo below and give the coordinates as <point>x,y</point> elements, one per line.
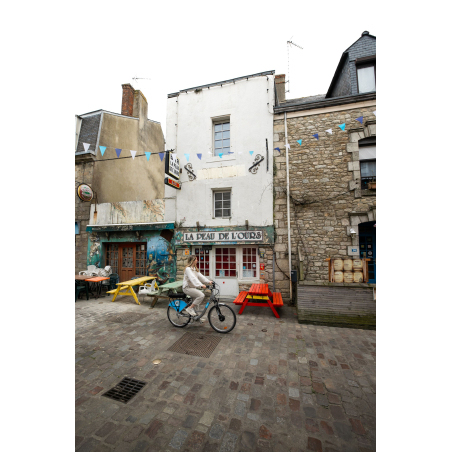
<point>372,185</point>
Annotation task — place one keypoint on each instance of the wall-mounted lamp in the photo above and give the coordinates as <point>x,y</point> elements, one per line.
<point>353,233</point>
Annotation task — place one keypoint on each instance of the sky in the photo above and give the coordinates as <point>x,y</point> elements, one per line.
<point>179,45</point>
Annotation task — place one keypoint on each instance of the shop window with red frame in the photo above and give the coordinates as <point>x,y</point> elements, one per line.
<point>203,260</point>
<point>225,262</point>
<point>249,262</point>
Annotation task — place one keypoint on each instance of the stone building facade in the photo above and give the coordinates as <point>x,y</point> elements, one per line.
<point>329,199</point>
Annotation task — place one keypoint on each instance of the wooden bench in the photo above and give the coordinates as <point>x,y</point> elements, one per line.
<point>241,297</point>
<point>277,299</point>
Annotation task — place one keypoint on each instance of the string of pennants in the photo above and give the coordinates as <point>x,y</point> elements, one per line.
<point>330,131</point>
<point>148,154</point>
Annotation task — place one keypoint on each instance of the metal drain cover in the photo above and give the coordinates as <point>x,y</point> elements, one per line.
<point>125,390</point>
<point>196,344</point>
<point>126,317</point>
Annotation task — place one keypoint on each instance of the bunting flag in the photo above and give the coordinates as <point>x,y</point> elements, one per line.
<point>299,141</point>
<point>251,152</point>
<point>277,149</point>
<point>187,156</point>
<point>330,131</point>
<point>209,153</point>
<point>102,149</point>
<point>118,151</point>
<point>221,155</point>
<point>316,136</point>
<point>199,156</point>
<point>230,152</point>
<point>148,154</point>
<point>161,155</point>
<point>342,126</point>
<point>375,112</point>
<point>86,146</point>
<point>240,152</point>
<point>133,154</point>
<point>287,146</point>
<point>360,119</point>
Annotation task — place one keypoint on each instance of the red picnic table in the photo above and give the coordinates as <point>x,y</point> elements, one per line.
<point>259,295</point>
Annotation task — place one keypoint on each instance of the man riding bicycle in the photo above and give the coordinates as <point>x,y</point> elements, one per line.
<point>193,281</point>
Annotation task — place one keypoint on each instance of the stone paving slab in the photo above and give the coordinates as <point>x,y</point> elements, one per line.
<point>292,388</point>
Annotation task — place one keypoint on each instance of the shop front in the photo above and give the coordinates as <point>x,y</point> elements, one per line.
<point>234,258</point>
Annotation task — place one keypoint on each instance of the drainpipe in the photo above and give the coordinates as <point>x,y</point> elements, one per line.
<point>288,207</point>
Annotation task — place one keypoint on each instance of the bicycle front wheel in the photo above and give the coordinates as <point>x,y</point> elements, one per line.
<point>176,318</point>
<point>222,318</point>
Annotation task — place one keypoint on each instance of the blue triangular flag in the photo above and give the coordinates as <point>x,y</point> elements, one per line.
<point>118,151</point>
<point>251,152</point>
<point>187,156</point>
<point>230,152</point>
<point>199,156</point>
<point>316,135</point>
<point>221,155</point>
<point>102,149</point>
<point>342,126</point>
<point>161,155</point>
<point>360,119</point>
<point>148,154</point>
<point>299,142</point>
<point>277,149</point>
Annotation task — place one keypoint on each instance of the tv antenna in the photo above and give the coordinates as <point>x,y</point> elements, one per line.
<point>290,43</point>
<point>139,78</point>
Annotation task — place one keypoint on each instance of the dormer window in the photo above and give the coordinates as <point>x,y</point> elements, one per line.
<point>366,77</point>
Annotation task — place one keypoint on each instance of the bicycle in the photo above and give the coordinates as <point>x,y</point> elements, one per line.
<point>221,316</point>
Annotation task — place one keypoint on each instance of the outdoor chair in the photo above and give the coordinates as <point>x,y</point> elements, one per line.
<point>114,279</point>
<point>79,287</point>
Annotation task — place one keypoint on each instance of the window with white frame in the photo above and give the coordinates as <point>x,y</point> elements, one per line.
<point>249,263</point>
<point>366,77</point>
<point>222,204</point>
<point>222,137</point>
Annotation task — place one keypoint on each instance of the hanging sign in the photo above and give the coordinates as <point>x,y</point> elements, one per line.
<point>172,166</point>
<point>172,183</point>
<point>85,192</point>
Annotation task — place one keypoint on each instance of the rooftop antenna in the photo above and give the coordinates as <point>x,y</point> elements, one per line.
<point>289,43</point>
<point>139,78</point>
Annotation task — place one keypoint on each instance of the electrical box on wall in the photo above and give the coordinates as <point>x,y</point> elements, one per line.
<point>353,250</point>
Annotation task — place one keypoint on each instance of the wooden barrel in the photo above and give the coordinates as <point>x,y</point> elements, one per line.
<point>348,265</point>
<point>358,277</point>
<point>338,276</point>
<point>338,265</point>
<point>357,265</point>
<point>348,277</point>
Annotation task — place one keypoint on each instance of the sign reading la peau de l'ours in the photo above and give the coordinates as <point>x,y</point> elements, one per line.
<point>223,236</point>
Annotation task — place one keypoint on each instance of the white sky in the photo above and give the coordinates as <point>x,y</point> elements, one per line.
<point>185,44</point>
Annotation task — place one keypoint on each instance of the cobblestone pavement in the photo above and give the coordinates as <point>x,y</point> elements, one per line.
<point>290,388</point>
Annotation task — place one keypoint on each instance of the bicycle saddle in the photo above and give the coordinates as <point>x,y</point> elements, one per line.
<point>178,295</point>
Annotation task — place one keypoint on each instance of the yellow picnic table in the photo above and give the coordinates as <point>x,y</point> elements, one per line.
<point>126,287</point>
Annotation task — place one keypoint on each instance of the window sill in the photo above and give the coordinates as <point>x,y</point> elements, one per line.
<point>369,192</point>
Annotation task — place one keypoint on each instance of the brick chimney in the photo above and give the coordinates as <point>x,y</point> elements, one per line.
<point>280,83</point>
<point>127,99</point>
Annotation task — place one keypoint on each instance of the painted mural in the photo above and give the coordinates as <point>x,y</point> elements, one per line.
<point>160,257</point>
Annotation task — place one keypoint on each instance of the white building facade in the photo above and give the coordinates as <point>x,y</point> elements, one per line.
<point>224,210</point>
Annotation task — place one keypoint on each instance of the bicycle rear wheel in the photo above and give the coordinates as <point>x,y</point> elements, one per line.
<point>177,319</point>
<point>222,318</point>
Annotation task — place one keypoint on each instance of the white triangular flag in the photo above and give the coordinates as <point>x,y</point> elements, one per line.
<point>375,112</point>
<point>86,146</point>
<point>287,146</point>
<point>330,131</point>
<point>133,154</point>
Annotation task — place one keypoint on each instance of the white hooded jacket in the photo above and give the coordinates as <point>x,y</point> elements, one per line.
<point>193,279</point>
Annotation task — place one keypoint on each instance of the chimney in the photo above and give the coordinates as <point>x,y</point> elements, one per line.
<point>280,83</point>
<point>127,99</point>
<point>140,105</point>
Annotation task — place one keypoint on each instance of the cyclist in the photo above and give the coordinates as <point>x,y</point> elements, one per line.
<point>193,281</point>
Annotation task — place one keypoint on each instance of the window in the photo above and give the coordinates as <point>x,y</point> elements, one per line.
<point>249,263</point>
<point>225,262</point>
<point>203,260</point>
<point>221,137</point>
<point>113,257</point>
<point>77,227</point>
<point>368,161</point>
<point>366,78</point>
<point>222,204</point>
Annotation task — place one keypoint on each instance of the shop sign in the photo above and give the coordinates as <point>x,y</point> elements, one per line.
<point>172,183</point>
<point>85,192</point>
<point>172,166</point>
<point>223,236</point>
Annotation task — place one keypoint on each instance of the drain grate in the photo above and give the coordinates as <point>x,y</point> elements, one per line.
<point>195,344</point>
<point>126,317</point>
<point>125,390</point>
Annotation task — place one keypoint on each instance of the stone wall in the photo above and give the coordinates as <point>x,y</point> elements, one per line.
<point>83,173</point>
<point>325,194</point>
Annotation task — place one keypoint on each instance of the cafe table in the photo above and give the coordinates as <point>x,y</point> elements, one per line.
<point>126,287</point>
<point>259,295</point>
<point>97,281</point>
